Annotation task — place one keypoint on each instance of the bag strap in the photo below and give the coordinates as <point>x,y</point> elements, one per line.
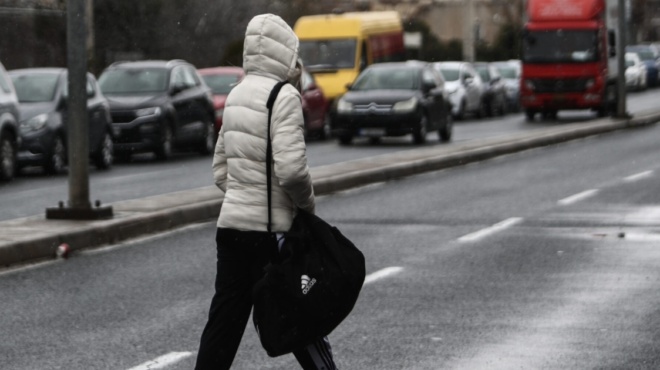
<point>269,146</point>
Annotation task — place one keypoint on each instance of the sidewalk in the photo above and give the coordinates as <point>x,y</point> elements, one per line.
<point>35,238</point>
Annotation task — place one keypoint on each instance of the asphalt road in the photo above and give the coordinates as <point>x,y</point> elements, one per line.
<point>545,259</point>
<point>32,192</point>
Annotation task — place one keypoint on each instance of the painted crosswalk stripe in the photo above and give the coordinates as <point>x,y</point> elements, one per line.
<point>578,197</point>
<point>638,176</point>
<point>382,274</point>
<point>163,361</point>
<point>490,230</point>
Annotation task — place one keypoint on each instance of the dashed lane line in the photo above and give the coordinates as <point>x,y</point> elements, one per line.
<point>490,230</point>
<point>638,176</point>
<point>163,361</point>
<point>380,274</point>
<point>578,197</point>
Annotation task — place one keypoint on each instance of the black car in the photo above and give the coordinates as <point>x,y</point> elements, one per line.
<point>158,105</point>
<point>393,99</point>
<point>9,137</point>
<point>494,96</point>
<point>42,94</point>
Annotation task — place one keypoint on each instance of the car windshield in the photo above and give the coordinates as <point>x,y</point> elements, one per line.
<point>328,54</point>
<point>483,72</point>
<point>133,80</point>
<point>508,73</point>
<point>387,79</point>
<point>645,55</point>
<point>35,88</point>
<point>560,46</point>
<point>450,74</point>
<point>221,84</point>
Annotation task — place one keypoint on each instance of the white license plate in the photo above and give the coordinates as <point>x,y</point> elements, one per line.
<point>372,132</point>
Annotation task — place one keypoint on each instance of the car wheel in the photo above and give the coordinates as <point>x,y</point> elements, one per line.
<point>55,163</point>
<point>461,111</point>
<point>420,131</point>
<point>164,149</point>
<point>104,156</point>
<point>208,145</point>
<point>503,106</point>
<point>482,110</point>
<point>446,130</point>
<point>7,157</point>
<point>345,139</point>
<point>374,140</point>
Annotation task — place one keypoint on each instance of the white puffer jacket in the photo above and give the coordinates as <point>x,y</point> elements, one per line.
<point>239,165</point>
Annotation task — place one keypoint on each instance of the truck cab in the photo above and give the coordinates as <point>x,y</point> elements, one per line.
<point>568,57</point>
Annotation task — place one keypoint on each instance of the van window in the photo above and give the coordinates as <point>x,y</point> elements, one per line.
<point>328,54</point>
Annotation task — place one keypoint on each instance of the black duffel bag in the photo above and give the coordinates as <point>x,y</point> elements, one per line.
<point>311,290</point>
<point>313,284</point>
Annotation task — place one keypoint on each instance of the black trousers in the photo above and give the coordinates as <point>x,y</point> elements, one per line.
<point>242,255</point>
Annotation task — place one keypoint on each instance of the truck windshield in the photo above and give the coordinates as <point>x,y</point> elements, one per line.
<point>560,46</point>
<point>321,55</point>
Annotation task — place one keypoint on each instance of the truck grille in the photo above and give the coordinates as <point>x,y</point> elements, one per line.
<point>565,85</point>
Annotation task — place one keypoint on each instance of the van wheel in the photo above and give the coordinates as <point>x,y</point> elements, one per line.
<point>7,157</point>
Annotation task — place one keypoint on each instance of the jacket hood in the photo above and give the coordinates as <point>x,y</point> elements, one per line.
<point>271,48</point>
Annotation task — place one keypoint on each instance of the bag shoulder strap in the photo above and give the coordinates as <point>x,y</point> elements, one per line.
<point>269,147</point>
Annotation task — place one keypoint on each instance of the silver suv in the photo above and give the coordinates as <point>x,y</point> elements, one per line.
<point>9,138</point>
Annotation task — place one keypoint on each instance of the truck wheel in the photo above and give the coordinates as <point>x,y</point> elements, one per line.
<point>530,115</point>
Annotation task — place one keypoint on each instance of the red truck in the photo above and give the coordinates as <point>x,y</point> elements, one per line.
<point>569,57</point>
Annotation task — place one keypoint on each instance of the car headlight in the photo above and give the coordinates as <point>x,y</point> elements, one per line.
<point>153,111</point>
<point>405,106</point>
<point>219,113</point>
<point>344,107</point>
<point>35,123</point>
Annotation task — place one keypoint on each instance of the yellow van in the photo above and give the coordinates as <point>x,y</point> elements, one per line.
<point>336,47</point>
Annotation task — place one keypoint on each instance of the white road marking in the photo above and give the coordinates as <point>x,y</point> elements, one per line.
<point>381,274</point>
<point>578,197</point>
<point>490,230</point>
<point>163,361</point>
<point>638,176</point>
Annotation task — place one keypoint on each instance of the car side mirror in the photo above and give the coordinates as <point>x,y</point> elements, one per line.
<point>349,86</point>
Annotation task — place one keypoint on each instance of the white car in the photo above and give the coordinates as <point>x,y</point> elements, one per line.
<point>635,72</point>
<point>510,71</point>
<point>464,86</point>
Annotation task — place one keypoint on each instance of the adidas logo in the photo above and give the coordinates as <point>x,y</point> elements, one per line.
<point>307,283</point>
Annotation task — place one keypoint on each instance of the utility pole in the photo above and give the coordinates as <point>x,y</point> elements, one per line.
<point>79,206</point>
<point>469,32</point>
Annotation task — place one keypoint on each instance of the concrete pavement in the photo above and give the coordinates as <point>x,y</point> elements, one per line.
<point>34,238</point>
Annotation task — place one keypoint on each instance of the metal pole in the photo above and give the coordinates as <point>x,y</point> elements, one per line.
<point>620,61</point>
<point>77,105</point>
<point>468,32</point>
<point>79,206</point>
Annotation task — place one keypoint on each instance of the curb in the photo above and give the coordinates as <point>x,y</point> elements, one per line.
<point>136,218</point>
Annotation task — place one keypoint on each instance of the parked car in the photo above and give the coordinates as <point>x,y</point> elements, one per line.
<point>464,86</point>
<point>635,72</point>
<point>315,107</point>
<point>648,58</point>
<point>42,94</point>
<point>394,99</point>
<point>510,71</point>
<point>9,135</point>
<point>494,96</point>
<point>157,106</point>
<point>221,80</point>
